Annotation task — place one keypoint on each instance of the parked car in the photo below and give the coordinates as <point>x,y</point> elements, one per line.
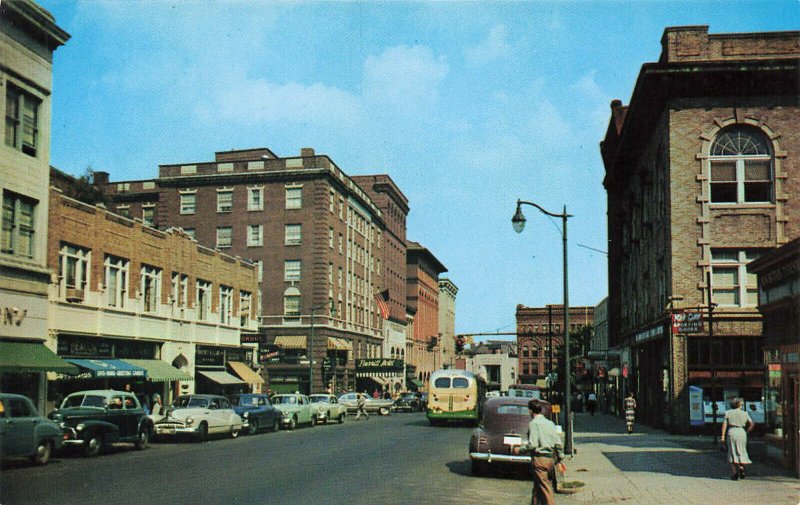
<point>408,401</point>
<point>328,407</point>
<point>200,416</point>
<point>504,425</point>
<point>257,412</point>
<point>423,400</point>
<point>96,419</point>
<point>24,433</point>
<point>296,409</point>
<point>381,406</point>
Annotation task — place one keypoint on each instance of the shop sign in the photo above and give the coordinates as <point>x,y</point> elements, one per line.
<point>250,338</point>
<point>687,322</point>
<point>379,365</point>
<point>209,356</point>
<point>655,331</point>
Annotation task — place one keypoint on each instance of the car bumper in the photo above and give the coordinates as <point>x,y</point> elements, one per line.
<point>500,458</point>
<point>172,429</point>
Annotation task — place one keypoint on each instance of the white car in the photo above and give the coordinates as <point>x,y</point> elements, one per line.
<point>328,408</point>
<point>200,416</point>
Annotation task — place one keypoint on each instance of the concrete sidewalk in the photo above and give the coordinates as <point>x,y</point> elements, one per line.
<point>653,467</point>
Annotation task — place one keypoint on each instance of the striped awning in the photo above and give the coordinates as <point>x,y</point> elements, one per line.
<point>291,341</point>
<point>246,373</point>
<point>222,378</point>
<point>339,344</point>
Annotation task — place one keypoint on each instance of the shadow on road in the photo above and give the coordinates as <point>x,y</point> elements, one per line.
<point>493,471</point>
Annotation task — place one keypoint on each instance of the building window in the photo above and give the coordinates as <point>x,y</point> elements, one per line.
<point>341,244</point>
<point>203,299</point>
<point>294,198</point>
<point>225,201</point>
<point>245,301</point>
<point>180,286</point>
<point>148,215</point>
<point>525,352</point>
<point>124,210</point>
<point>189,231</point>
<point>291,271</point>
<point>291,302</point>
<point>741,167</point>
<point>18,225</point>
<point>188,203</point>
<point>294,234</point>
<point>330,238</point>
<point>255,235</point>
<point>151,288</point>
<point>224,237</point>
<point>731,283</point>
<point>259,265</point>
<point>116,281</point>
<point>73,272</point>
<point>255,198</point>
<point>22,120</point>
<point>225,304</point>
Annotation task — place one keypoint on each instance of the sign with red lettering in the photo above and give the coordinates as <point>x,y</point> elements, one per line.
<point>687,322</point>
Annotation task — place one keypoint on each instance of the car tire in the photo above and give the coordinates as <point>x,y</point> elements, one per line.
<point>253,427</point>
<point>276,425</point>
<point>313,421</point>
<point>292,423</point>
<point>341,417</point>
<point>43,452</point>
<point>384,411</point>
<point>476,467</point>
<point>93,445</point>
<point>235,431</point>
<point>202,432</point>
<point>143,439</point>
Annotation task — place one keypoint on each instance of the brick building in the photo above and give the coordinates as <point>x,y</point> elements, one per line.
<point>129,303</point>
<point>28,38</point>
<point>540,338</point>
<point>699,169</point>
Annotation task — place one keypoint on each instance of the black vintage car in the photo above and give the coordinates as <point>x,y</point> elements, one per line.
<point>408,402</point>
<point>256,411</point>
<point>96,419</point>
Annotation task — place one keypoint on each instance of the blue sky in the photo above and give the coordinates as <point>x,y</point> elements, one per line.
<point>467,105</point>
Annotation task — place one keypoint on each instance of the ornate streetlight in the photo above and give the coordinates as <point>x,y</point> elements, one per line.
<point>518,221</point>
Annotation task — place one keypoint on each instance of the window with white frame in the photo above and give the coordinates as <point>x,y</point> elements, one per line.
<point>18,225</point>
<point>151,288</point>
<point>341,244</point>
<point>255,198</point>
<point>22,120</point>
<point>291,270</point>
<point>124,210</point>
<point>225,304</point>
<point>330,238</point>
<point>188,203</point>
<point>332,200</point>
<point>224,237</point>
<point>180,288</point>
<point>116,281</point>
<point>741,166</point>
<point>294,198</point>
<point>731,283</point>
<point>148,214</point>
<point>259,270</point>
<point>291,302</point>
<point>294,234</point>
<point>203,299</point>
<point>73,271</point>
<point>224,200</point>
<point>245,301</point>
<point>190,231</point>
<point>255,235</point>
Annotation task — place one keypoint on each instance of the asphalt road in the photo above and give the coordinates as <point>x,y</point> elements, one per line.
<point>398,459</point>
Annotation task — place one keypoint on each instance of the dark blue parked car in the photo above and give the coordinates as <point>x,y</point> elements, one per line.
<point>256,411</point>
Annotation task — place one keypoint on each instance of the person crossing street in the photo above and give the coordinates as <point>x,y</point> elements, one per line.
<point>360,405</point>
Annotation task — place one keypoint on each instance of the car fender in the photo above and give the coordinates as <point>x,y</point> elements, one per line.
<point>51,432</point>
<point>145,423</point>
<point>97,426</point>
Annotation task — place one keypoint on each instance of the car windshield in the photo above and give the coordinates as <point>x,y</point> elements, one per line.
<point>188,402</point>
<point>507,415</point>
<point>285,400</point>
<point>84,401</point>
<point>318,399</point>
<point>246,400</point>
<point>409,396</point>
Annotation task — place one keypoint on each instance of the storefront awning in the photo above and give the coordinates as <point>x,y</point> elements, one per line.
<point>32,357</point>
<point>339,344</point>
<point>159,371</point>
<point>246,373</point>
<point>417,383</point>
<point>222,378</point>
<point>104,368</point>
<point>291,341</point>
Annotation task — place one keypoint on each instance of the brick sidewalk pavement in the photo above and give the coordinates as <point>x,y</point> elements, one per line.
<point>652,467</point>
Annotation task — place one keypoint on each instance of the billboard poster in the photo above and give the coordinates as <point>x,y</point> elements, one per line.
<point>696,406</point>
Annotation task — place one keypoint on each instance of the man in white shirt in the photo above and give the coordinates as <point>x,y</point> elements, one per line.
<point>543,442</point>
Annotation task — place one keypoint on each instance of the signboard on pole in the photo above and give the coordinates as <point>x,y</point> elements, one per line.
<point>687,322</point>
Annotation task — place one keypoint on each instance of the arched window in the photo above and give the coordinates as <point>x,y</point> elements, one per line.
<point>291,302</point>
<point>741,166</point>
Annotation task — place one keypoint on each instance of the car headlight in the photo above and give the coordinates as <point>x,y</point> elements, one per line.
<point>245,415</point>
<point>80,427</point>
<point>189,421</point>
<point>286,414</point>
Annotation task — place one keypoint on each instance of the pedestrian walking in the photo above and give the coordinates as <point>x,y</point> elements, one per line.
<point>630,412</point>
<point>360,404</point>
<point>544,444</point>
<point>592,402</point>
<point>158,406</point>
<point>736,425</point>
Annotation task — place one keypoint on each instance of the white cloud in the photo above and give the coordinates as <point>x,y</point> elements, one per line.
<point>492,48</point>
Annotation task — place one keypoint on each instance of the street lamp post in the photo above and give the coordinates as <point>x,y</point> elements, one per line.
<point>518,222</point>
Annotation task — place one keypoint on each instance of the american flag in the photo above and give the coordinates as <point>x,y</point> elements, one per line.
<point>381,298</point>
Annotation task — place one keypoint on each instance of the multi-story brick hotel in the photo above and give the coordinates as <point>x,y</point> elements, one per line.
<point>702,174</point>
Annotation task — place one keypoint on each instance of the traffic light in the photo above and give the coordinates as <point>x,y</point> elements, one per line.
<point>460,341</point>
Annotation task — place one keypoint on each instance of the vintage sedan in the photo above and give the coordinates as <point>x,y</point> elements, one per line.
<point>408,401</point>
<point>96,419</point>
<point>295,409</point>
<point>328,408</point>
<point>200,416</point>
<point>25,434</point>
<point>256,411</point>
<point>503,426</point>
<point>381,406</point>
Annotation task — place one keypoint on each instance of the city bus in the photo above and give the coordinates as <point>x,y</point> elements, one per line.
<point>455,395</point>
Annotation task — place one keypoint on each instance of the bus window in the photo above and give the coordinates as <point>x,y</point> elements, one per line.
<point>442,382</point>
<point>460,382</point>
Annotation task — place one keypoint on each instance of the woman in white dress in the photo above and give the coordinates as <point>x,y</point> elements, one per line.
<point>735,427</point>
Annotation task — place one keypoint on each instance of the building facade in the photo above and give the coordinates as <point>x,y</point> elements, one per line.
<point>447,322</point>
<point>699,169</point>
<point>496,361</point>
<point>28,38</point>
<point>132,305</point>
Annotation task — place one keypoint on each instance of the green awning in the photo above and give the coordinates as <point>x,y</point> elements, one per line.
<point>418,384</point>
<point>32,357</point>
<point>159,371</point>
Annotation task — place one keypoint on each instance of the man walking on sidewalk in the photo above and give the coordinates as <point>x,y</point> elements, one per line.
<point>544,443</point>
